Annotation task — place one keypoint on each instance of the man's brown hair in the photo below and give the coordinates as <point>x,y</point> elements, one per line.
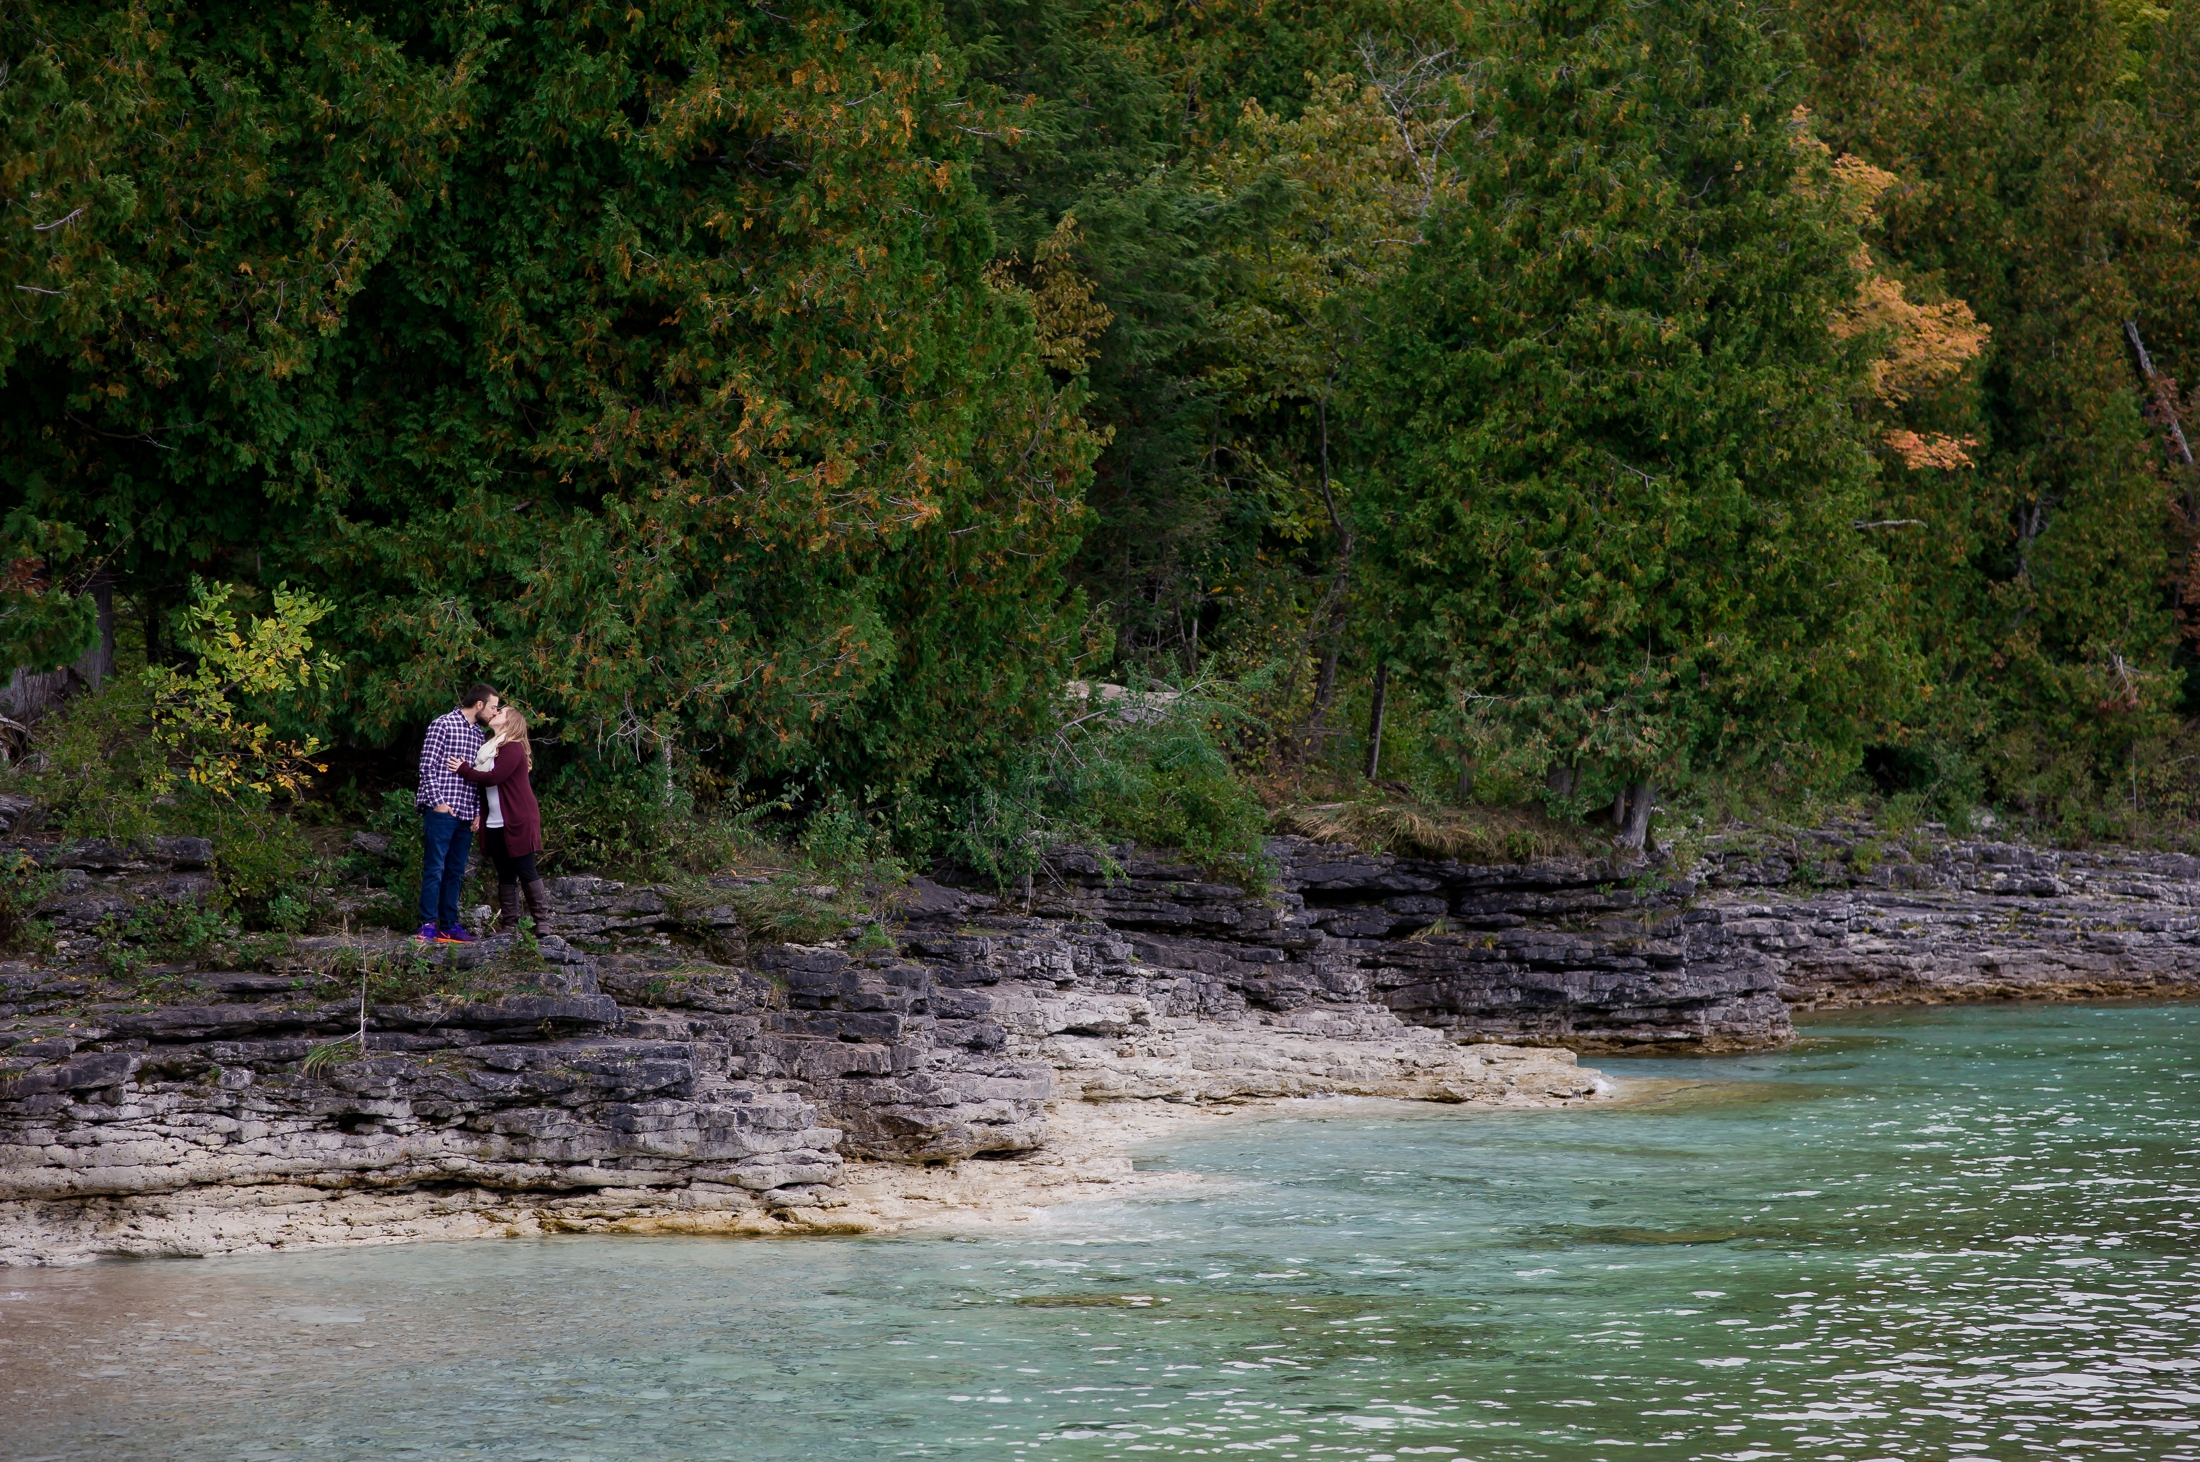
<point>476,694</point>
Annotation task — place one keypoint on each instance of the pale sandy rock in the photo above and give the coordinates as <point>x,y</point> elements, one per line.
<point>829,1089</point>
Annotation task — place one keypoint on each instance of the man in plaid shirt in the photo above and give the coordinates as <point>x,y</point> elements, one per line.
<point>450,813</point>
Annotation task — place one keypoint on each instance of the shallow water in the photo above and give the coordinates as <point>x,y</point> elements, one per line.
<point>1918,1234</point>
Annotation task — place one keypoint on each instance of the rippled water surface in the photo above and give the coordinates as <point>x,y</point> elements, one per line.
<point>1924,1234</point>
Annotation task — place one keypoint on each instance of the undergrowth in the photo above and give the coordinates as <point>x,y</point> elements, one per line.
<point>23,887</point>
<point>1463,835</point>
<point>90,771</point>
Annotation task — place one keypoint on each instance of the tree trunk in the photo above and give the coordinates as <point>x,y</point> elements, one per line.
<point>1559,780</point>
<point>1375,721</point>
<point>1635,805</point>
<point>1331,617</point>
<point>98,665</point>
<point>2165,399</point>
<point>1325,689</point>
<point>29,695</point>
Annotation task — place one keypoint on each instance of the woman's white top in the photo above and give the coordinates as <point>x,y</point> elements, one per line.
<point>486,760</point>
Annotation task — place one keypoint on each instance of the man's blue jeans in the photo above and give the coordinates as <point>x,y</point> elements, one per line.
<point>446,842</point>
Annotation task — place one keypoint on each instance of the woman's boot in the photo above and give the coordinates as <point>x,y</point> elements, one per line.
<point>538,904</point>
<point>508,907</point>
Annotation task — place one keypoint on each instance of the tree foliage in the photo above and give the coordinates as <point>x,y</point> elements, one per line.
<point>645,366</point>
<point>201,721</point>
<point>2042,175</point>
<point>797,394</point>
<point>1617,507</point>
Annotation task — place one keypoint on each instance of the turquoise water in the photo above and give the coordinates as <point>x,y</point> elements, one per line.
<point>1922,1234</point>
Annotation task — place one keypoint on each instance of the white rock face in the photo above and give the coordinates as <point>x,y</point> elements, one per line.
<point>791,1088</point>
<point>718,1100</point>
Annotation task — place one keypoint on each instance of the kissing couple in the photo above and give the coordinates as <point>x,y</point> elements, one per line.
<point>474,780</point>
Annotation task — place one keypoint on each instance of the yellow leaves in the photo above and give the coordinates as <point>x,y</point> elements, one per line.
<point>194,719</point>
<point>1924,346</point>
<point>1068,319</point>
<point>1859,186</point>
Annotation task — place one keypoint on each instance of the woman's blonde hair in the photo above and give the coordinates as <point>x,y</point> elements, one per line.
<point>514,729</point>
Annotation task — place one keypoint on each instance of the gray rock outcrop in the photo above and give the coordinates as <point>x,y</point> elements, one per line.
<point>1703,959</point>
<point>173,1111</point>
<point>100,883</point>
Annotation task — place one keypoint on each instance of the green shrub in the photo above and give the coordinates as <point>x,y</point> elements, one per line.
<point>93,767</point>
<point>160,932</point>
<point>288,914</point>
<point>1152,769</point>
<point>89,764</point>
<point>599,820</point>
<point>23,886</point>
<point>270,875</point>
<point>399,821</point>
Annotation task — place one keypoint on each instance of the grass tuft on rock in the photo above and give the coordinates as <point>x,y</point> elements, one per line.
<point>1461,835</point>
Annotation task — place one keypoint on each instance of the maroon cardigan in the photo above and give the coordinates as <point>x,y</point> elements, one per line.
<point>522,817</point>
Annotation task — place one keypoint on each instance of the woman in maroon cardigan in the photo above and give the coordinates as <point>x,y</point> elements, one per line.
<point>513,821</point>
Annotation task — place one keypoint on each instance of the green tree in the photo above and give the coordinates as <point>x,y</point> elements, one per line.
<point>43,625</point>
<point>642,363</point>
<point>1334,202</point>
<point>202,724</point>
<point>193,195</point>
<point>1621,465</point>
<point>2043,175</point>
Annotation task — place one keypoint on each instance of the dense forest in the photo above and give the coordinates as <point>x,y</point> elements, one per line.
<point>1556,404</point>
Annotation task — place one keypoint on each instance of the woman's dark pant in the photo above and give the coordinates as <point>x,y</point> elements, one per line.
<point>510,869</point>
<point>445,840</point>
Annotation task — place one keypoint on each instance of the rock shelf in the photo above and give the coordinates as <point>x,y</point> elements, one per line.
<point>715,1087</point>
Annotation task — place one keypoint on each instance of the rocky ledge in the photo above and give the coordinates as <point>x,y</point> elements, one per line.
<point>724,1086</point>
<point>505,1089</point>
<point>1712,955</point>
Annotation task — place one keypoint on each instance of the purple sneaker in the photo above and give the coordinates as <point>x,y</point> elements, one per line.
<point>456,934</point>
<point>428,934</point>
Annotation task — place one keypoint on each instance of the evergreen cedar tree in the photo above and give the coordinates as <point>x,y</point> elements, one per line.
<point>729,374</point>
<point>1617,504</point>
<point>2048,156</point>
<point>648,366</point>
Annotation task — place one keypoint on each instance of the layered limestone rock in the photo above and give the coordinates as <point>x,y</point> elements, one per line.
<point>100,882</point>
<point>654,1093</point>
<point>200,1124</point>
<point>715,1088</point>
<point>1845,917</point>
<point>1561,953</point>
<point>1705,957</point>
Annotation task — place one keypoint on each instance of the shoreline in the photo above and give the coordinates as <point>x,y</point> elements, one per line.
<point>1089,1154</point>
<point>1092,1136</point>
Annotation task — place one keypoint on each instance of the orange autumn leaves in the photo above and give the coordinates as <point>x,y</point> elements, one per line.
<point>1923,348</point>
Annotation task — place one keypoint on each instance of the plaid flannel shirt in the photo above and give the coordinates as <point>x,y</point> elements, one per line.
<point>449,734</point>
